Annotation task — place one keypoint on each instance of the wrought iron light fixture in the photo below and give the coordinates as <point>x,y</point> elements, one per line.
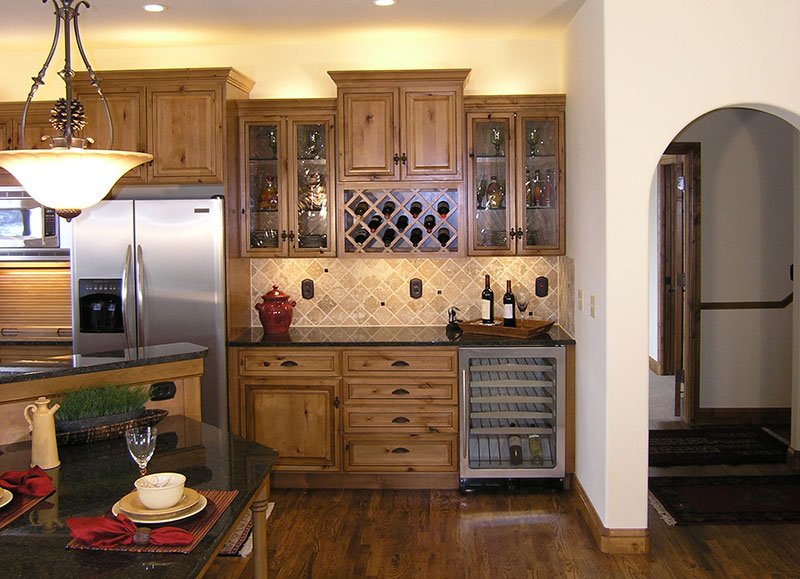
<point>68,177</point>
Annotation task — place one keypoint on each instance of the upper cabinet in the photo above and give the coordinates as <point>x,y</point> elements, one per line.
<point>515,182</point>
<point>400,125</point>
<point>178,116</point>
<point>286,177</point>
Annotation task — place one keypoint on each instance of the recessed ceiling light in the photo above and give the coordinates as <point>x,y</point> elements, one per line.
<point>383,2</point>
<point>154,7</point>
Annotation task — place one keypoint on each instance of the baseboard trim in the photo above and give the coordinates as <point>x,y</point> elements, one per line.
<point>611,541</point>
<point>655,366</point>
<point>364,481</point>
<point>742,415</point>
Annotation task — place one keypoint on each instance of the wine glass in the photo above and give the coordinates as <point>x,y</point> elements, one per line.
<point>141,444</point>
<point>497,141</point>
<point>534,140</point>
<point>523,297</point>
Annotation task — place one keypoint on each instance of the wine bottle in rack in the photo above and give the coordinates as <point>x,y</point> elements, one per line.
<point>514,448</point>
<point>487,303</point>
<point>443,208</point>
<point>416,209</point>
<point>416,236</point>
<point>361,236</point>
<point>443,235</point>
<point>361,208</point>
<point>509,304</point>
<point>388,209</point>
<point>535,446</point>
<point>402,222</point>
<point>374,223</point>
<point>388,236</point>
<point>429,223</point>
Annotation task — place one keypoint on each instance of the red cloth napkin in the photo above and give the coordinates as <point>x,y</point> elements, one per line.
<point>34,482</point>
<point>106,532</point>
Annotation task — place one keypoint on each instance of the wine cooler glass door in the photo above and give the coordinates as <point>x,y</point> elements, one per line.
<point>513,411</point>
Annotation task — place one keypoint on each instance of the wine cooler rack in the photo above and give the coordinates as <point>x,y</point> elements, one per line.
<point>425,220</point>
<point>512,412</point>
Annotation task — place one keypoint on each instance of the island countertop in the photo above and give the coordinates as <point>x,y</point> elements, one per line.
<point>389,336</point>
<point>59,366</point>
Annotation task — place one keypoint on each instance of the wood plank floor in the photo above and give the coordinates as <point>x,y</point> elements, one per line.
<point>433,534</point>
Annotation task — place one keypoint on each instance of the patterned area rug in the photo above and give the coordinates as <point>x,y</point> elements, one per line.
<point>739,445</point>
<point>726,499</point>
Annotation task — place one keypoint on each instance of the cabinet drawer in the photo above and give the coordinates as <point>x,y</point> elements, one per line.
<point>401,419</point>
<point>269,362</point>
<point>401,453</point>
<point>406,360</point>
<point>382,390</point>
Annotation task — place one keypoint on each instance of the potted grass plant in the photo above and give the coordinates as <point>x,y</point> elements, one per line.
<point>96,406</point>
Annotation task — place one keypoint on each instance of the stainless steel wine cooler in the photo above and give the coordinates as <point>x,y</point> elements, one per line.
<point>512,412</point>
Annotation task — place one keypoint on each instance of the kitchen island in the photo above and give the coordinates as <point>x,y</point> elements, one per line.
<point>26,378</point>
<point>372,407</point>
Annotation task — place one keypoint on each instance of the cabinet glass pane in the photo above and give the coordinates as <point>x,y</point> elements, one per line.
<point>541,183</point>
<point>263,194</point>
<point>490,194</point>
<point>313,206</point>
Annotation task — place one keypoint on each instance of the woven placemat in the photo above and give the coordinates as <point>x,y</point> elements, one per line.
<point>18,506</point>
<point>236,546</point>
<point>198,526</point>
<point>108,431</point>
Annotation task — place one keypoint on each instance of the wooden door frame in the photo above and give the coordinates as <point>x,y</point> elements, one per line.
<point>691,256</point>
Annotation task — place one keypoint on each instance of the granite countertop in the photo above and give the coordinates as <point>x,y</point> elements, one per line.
<point>56,366</point>
<point>392,336</point>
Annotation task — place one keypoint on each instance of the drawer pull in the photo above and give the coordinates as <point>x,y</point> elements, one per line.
<point>400,420</point>
<point>400,392</point>
<point>400,450</point>
<point>400,364</point>
<point>289,364</point>
<point>266,364</point>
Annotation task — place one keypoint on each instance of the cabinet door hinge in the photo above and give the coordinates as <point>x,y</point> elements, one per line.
<point>681,280</point>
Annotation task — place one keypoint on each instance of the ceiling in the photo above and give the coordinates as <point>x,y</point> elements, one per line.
<point>123,23</point>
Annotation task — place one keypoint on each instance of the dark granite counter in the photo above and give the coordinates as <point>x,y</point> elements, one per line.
<point>58,366</point>
<point>390,336</point>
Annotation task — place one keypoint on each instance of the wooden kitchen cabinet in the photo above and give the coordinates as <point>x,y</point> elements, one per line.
<point>177,115</point>
<point>515,179</point>
<point>37,126</point>
<point>400,125</point>
<point>287,192</point>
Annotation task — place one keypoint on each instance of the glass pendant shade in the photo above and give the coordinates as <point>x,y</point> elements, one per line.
<point>69,178</point>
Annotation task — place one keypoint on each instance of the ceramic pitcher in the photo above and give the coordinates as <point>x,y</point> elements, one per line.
<point>42,424</point>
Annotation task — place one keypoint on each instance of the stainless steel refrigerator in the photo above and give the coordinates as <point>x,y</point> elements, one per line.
<point>150,272</point>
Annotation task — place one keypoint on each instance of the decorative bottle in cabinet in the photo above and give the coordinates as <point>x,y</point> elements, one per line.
<point>538,189</point>
<point>269,197</point>
<point>494,194</point>
<point>547,196</point>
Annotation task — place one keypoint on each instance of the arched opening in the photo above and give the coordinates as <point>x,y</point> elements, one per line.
<point>744,246</point>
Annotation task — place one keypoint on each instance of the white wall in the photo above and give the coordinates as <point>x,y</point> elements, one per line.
<point>653,275</point>
<point>746,250</point>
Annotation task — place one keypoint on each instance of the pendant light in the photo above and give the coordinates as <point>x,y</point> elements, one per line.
<point>68,176</point>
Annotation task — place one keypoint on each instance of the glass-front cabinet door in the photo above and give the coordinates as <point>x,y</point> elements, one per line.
<point>540,201</point>
<point>490,185</point>
<point>288,206</point>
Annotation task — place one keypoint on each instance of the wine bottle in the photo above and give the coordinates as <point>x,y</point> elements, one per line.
<point>538,188</point>
<point>402,222</point>
<point>374,223</point>
<point>361,208</point>
<point>487,303</point>
<point>416,236</point>
<point>443,208</point>
<point>535,446</point>
<point>388,236</point>
<point>429,223</point>
<point>416,209</point>
<point>360,236</point>
<point>547,196</point>
<point>509,304</point>
<point>494,194</point>
<point>443,236</point>
<point>528,188</point>
<point>514,448</point>
<point>388,209</point>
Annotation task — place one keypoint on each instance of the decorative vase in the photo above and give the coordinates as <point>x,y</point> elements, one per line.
<point>276,311</point>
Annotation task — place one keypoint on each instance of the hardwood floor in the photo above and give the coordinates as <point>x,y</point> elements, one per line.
<point>433,534</point>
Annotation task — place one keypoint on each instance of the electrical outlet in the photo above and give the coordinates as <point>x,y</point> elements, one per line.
<point>580,300</point>
<point>415,288</point>
<point>307,289</point>
<point>591,306</point>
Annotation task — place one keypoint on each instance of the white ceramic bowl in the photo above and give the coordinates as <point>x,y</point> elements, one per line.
<point>161,490</point>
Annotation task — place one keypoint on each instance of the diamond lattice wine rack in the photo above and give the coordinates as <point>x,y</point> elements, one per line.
<point>408,220</point>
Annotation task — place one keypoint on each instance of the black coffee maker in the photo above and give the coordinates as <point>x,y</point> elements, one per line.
<point>100,306</point>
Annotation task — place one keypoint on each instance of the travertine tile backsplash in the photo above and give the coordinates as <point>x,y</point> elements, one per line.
<point>374,292</point>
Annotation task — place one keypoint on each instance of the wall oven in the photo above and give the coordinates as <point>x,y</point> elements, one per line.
<point>29,231</point>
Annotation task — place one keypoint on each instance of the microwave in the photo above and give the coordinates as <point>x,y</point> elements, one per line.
<point>24,224</point>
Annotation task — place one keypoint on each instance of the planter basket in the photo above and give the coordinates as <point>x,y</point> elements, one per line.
<point>106,431</point>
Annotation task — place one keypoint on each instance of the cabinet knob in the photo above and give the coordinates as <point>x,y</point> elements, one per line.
<point>400,450</point>
<point>512,234</point>
<point>520,233</point>
<point>289,364</point>
<point>404,158</point>
<point>400,364</point>
<point>396,159</point>
<point>336,402</point>
<point>266,364</point>
<point>400,420</point>
<point>283,235</point>
<point>400,392</point>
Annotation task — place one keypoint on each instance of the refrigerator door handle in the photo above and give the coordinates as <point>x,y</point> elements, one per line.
<point>139,298</point>
<point>126,272</point>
